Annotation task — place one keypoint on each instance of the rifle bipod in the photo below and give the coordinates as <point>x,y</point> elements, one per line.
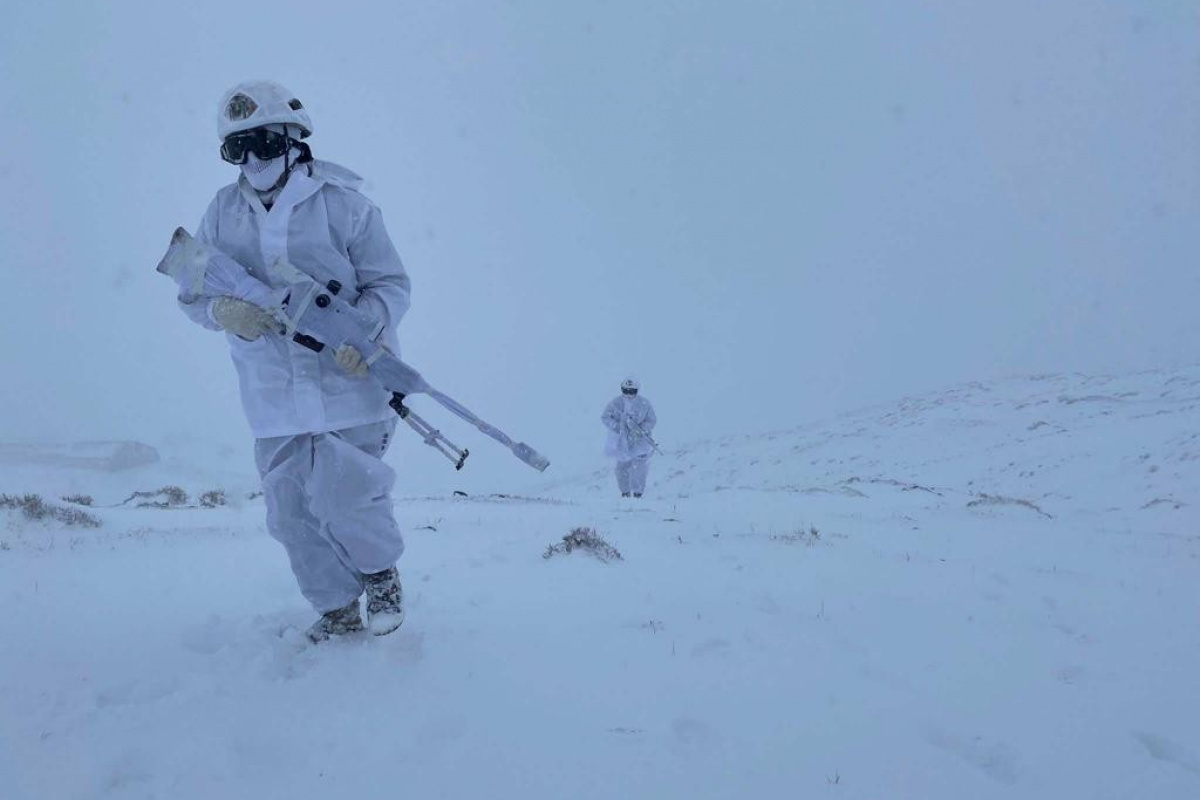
<point>431,435</point>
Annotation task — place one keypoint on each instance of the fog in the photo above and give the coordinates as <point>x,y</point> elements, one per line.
<point>770,212</point>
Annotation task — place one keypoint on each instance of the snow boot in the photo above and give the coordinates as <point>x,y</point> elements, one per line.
<point>625,494</point>
<point>385,601</point>
<point>637,494</point>
<point>338,622</point>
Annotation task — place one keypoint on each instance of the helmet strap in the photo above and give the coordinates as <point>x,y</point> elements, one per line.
<point>288,165</point>
<point>283,176</point>
<point>305,157</point>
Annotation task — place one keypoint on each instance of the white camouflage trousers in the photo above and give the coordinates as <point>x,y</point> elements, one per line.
<point>631,474</point>
<point>329,504</point>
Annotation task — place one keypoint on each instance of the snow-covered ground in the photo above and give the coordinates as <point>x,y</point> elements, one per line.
<point>1000,599</point>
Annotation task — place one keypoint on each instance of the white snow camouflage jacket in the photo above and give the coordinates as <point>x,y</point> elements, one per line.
<point>626,418</point>
<point>323,226</point>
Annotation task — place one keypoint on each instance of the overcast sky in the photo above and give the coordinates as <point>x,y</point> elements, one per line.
<point>770,212</point>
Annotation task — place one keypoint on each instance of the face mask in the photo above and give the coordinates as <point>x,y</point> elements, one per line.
<point>263,175</point>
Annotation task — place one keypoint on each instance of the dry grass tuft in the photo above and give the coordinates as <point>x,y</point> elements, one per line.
<point>166,497</point>
<point>36,509</point>
<point>588,541</point>
<point>808,538</point>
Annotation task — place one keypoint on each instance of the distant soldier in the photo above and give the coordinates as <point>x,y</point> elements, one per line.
<point>630,420</point>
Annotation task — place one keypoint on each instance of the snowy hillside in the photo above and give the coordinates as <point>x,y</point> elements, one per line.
<point>990,592</point>
<point>1065,442</point>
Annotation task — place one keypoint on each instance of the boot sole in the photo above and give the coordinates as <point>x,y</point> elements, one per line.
<point>326,636</point>
<point>383,624</point>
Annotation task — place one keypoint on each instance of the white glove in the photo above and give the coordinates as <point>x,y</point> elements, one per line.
<point>351,361</point>
<point>246,320</point>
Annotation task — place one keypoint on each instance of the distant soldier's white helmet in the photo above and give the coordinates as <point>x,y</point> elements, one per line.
<point>252,104</point>
<point>630,384</point>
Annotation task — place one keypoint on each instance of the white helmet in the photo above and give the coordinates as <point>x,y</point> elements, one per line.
<point>630,384</point>
<point>252,104</point>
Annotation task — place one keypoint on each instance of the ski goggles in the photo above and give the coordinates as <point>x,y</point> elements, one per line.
<point>264,143</point>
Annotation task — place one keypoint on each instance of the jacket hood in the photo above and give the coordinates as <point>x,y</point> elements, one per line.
<point>336,174</point>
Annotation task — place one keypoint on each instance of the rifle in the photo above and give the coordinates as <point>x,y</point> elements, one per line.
<point>637,428</point>
<point>316,317</point>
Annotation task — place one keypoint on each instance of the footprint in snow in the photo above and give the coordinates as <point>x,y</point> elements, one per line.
<point>997,760</point>
<point>440,732</point>
<point>406,646</point>
<point>1070,675</point>
<point>691,731</point>
<point>1163,749</point>
<point>139,691</point>
<point>127,771</point>
<point>712,647</point>
<point>205,639</point>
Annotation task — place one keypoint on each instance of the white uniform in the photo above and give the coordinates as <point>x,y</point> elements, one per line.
<point>324,227</point>
<point>329,504</point>
<point>630,419</point>
<point>321,433</point>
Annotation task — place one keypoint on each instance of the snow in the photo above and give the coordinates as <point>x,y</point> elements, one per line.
<point>1000,601</point>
